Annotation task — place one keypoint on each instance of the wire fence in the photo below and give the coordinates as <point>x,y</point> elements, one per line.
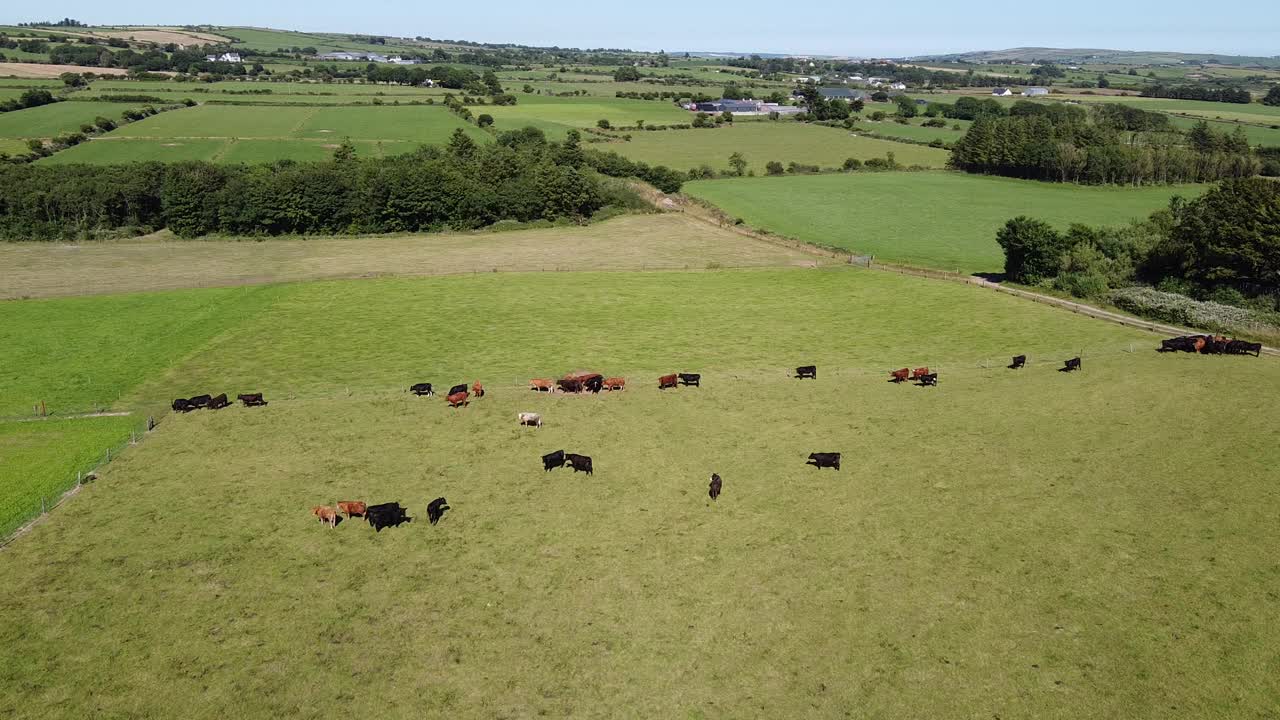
<point>19,514</point>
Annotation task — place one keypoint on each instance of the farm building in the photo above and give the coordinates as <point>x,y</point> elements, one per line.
<point>1001,92</point>
<point>1035,91</point>
<point>397,60</point>
<point>838,93</point>
<point>733,106</point>
<point>898,86</point>
<point>228,57</point>
<point>341,56</point>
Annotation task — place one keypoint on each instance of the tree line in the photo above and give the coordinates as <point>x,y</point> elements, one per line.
<point>462,185</point>
<point>1109,145</point>
<point>1198,92</point>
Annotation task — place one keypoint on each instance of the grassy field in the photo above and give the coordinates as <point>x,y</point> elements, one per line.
<point>762,142</point>
<point>941,220</point>
<point>915,130</point>
<point>549,112</point>
<point>49,120</point>
<point>633,242</point>
<point>1021,544</point>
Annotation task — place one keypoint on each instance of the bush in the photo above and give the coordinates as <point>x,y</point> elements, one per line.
<point>484,120</point>
<point>852,164</point>
<point>1082,284</point>
<point>878,115</point>
<point>773,167</point>
<point>1181,310</point>
<point>604,124</point>
<point>1033,250</point>
<point>935,122</point>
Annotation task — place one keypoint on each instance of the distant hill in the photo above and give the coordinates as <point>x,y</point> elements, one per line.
<point>1080,56</point>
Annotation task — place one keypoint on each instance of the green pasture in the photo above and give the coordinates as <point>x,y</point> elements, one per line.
<point>762,142</point>
<point>1257,135</point>
<point>13,146</point>
<point>915,130</point>
<point>942,220</point>
<point>110,150</point>
<point>24,83</point>
<point>56,119</point>
<point>582,112</point>
<point>1020,544</point>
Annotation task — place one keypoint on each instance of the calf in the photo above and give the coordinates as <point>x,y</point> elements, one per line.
<point>219,402</point>
<point>919,373</point>
<point>807,371</point>
<point>688,379</point>
<point>252,399</point>
<point>385,515</point>
<point>422,390</point>
<point>579,462</point>
<point>716,484</point>
<point>667,381</point>
<point>458,399</point>
<point>615,383</point>
<point>435,509</point>
<point>183,405</point>
<point>1072,364</point>
<point>457,389</point>
<point>541,385</point>
<point>528,418</point>
<point>352,508</point>
<point>898,376</point>
<point>199,401</point>
<point>325,514</point>
<point>477,389</point>
<point>928,379</point>
<point>550,461</point>
<point>1018,361</point>
<point>821,460</point>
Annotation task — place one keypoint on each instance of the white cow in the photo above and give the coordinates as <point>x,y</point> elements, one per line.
<point>527,418</point>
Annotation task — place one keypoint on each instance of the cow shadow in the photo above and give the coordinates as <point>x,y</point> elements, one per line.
<point>992,277</point>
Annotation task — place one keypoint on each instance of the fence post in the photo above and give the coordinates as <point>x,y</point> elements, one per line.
<point>42,507</point>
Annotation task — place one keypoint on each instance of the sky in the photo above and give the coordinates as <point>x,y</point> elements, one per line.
<point>818,27</point>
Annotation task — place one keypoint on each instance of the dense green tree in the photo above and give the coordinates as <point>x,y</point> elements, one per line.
<point>626,73</point>
<point>1231,235</point>
<point>738,163</point>
<point>1272,97</point>
<point>1033,250</point>
<point>1103,82</point>
<point>906,107</point>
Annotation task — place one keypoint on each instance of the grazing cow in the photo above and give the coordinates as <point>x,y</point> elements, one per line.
<point>458,399</point>
<point>325,514</point>
<point>1072,364</point>
<point>579,462</point>
<point>553,460</point>
<point>1241,347</point>
<point>593,383</point>
<point>569,385</point>
<point>667,381</point>
<point>422,390</point>
<point>477,389</point>
<point>928,379</point>
<point>898,376</point>
<point>251,399</point>
<point>435,509</point>
<point>541,385</point>
<point>199,401</point>
<point>807,371</point>
<point>1018,361</point>
<point>688,379</point>
<point>716,484</point>
<point>821,460</point>
<point>352,508</point>
<point>385,515</point>
<point>528,418</point>
<point>219,402</point>
<point>615,383</point>
<point>457,389</point>
<point>183,405</point>
<point>919,373</point>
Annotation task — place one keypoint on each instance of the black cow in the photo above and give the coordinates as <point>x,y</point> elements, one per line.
<point>821,460</point>
<point>219,402</point>
<point>435,509</point>
<point>580,463</point>
<point>199,401</point>
<point>693,379</point>
<point>1018,361</point>
<point>421,390</point>
<point>183,405</point>
<point>716,484</point>
<point>385,515</point>
<point>594,384</point>
<point>1240,347</point>
<point>459,388</point>
<point>552,460</point>
<point>252,399</point>
<point>807,371</point>
<point>928,379</point>
<point>1072,364</point>
<point>569,385</point>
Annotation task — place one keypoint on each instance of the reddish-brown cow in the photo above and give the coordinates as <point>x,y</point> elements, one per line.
<point>477,389</point>
<point>542,385</point>
<point>457,399</point>
<point>919,372</point>
<point>615,384</point>
<point>326,514</point>
<point>900,375</point>
<point>352,508</point>
<point>667,381</point>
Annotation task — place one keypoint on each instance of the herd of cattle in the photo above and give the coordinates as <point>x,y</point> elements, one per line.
<point>1210,345</point>
<point>218,402</point>
<point>378,516</point>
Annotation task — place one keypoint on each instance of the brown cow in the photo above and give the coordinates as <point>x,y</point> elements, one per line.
<point>542,385</point>
<point>477,389</point>
<point>457,399</point>
<point>919,373</point>
<point>898,376</point>
<point>615,384</point>
<point>325,514</point>
<point>667,381</point>
<point>352,508</point>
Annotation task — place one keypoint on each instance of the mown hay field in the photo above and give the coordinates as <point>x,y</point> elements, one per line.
<point>941,220</point>
<point>1012,543</point>
<point>762,142</point>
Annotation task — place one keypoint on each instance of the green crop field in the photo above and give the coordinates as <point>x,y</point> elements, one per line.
<point>49,120</point>
<point>1009,543</point>
<point>941,220</point>
<point>550,112</point>
<point>762,142</point>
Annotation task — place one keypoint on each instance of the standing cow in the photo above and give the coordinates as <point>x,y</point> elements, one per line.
<point>458,399</point>
<point>326,515</point>
<point>435,510</point>
<point>530,418</point>
<point>716,484</point>
<point>667,381</point>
